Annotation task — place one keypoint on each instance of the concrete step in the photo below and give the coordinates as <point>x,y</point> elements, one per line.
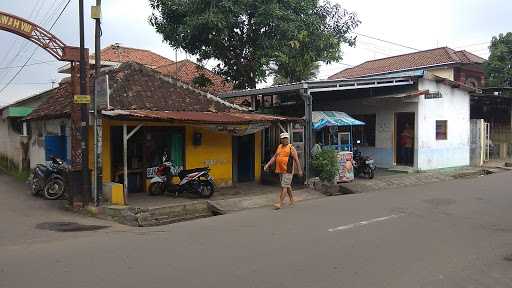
<point>402,169</point>
<point>154,216</point>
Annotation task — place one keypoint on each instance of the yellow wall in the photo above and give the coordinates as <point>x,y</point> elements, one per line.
<point>443,72</point>
<point>215,151</point>
<point>257,156</point>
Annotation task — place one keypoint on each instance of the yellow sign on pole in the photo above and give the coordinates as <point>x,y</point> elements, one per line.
<point>82,99</point>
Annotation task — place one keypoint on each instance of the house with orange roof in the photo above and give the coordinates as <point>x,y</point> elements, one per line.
<point>416,107</point>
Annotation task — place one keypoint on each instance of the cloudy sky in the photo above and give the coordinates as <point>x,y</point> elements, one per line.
<point>460,24</point>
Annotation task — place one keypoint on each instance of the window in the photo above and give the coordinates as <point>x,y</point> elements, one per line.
<point>441,129</point>
<point>365,133</point>
<point>297,137</point>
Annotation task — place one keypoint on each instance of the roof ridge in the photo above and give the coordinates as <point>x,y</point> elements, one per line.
<point>131,48</point>
<point>401,55</point>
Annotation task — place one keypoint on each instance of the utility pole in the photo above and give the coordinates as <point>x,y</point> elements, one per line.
<point>84,113</point>
<point>96,15</point>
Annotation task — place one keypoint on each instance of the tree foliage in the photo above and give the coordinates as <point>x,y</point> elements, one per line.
<point>499,66</point>
<point>254,38</point>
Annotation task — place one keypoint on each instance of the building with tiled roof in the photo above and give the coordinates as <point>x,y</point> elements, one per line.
<point>187,71</point>
<point>194,128</point>
<point>122,54</point>
<point>461,66</point>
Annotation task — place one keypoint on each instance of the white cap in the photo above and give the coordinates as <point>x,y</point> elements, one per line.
<point>284,135</point>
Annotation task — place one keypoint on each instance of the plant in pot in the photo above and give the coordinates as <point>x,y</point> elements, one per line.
<point>325,165</point>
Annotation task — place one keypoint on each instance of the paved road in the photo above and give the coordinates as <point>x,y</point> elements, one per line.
<point>450,234</point>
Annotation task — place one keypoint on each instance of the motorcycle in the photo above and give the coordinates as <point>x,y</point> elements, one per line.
<point>49,180</point>
<point>196,181</point>
<point>363,165</point>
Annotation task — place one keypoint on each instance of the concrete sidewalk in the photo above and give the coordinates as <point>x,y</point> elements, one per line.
<point>225,206</point>
<point>360,185</point>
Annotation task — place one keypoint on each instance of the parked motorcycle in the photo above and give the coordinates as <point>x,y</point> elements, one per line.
<point>49,180</point>
<point>363,165</point>
<point>196,181</point>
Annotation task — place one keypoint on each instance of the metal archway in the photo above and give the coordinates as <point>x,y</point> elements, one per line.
<point>55,47</point>
<point>39,36</point>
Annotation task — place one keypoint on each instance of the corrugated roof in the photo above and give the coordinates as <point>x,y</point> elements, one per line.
<point>200,117</point>
<point>416,60</point>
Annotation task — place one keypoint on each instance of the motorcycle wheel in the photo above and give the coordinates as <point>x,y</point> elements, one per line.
<point>35,188</point>
<point>206,190</point>
<point>156,188</point>
<point>54,189</point>
<point>371,173</point>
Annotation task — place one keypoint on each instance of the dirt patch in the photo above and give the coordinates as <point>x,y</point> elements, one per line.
<point>508,258</point>
<point>68,227</point>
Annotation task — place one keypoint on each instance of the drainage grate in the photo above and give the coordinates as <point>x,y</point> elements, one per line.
<point>68,227</point>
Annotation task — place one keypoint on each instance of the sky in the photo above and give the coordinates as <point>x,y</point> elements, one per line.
<point>459,24</point>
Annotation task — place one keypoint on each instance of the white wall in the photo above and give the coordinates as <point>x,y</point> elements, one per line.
<point>453,107</point>
<point>10,142</point>
<point>385,110</point>
<point>40,129</point>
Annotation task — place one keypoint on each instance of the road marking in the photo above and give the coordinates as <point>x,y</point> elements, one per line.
<point>362,223</point>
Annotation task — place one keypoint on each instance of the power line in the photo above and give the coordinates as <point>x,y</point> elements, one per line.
<point>31,83</point>
<point>33,52</point>
<point>471,45</point>
<point>31,64</point>
<point>386,41</point>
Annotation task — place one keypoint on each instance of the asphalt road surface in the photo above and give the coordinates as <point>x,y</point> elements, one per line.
<point>451,234</point>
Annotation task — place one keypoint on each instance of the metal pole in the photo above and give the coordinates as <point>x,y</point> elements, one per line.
<point>97,65</point>
<point>308,111</point>
<point>125,162</point>
<point>84,115</point>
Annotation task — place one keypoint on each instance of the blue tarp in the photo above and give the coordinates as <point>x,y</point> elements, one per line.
<point>322,119</point>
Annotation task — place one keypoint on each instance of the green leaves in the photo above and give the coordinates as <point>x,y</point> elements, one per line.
<point>255,38</point>
<point>326,163</point>
<point>499,66</point>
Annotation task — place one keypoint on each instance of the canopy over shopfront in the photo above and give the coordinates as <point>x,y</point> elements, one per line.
<point>323,119</point>
<point>236,123</point>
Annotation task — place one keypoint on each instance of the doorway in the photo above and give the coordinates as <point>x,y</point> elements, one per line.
<point>404,138</point>
<point>243,158</point>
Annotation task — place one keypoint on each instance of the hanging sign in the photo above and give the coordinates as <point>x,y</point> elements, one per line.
<point>82,99</point>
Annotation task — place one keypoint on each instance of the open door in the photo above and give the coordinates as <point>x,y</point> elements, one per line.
<point>243,158</point>
<point>405,137</point>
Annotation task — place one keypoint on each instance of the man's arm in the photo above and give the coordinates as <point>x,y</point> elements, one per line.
<point>270,162</point>
<point>296,159</point>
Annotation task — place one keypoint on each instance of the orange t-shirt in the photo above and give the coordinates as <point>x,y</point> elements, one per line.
<point>283,163</point>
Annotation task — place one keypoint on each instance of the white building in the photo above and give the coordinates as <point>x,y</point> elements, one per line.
<point>416,106</point>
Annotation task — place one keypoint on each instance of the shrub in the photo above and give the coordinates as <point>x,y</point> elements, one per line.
<point>326,163</point>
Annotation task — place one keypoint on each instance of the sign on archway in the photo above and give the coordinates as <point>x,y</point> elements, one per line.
<point>39,36</point>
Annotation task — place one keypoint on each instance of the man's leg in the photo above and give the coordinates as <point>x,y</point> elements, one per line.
<point>290,195</point>
<point>282,196</point>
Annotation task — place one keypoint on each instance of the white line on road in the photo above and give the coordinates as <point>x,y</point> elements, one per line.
<point>364,222</point>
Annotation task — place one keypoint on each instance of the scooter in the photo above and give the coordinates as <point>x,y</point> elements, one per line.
<point>49,180</point>
<point>363,165</point>
<point>196,181</point>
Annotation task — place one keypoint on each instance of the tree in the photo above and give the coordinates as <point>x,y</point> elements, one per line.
<point>254,38</point>
<point>499,65</point>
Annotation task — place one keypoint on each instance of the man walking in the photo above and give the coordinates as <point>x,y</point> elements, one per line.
<point>285,157</point>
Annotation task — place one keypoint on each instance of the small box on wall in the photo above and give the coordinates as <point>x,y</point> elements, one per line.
<point>197,139</point>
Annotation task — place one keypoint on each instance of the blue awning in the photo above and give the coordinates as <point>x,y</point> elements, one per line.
<point>322,119</point>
